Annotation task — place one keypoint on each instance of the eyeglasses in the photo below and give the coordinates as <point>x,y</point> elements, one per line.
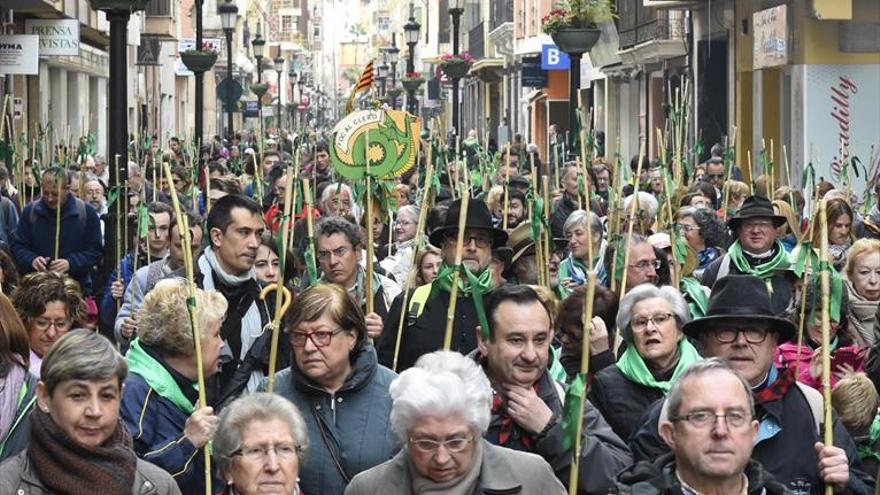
<point>715,176</point>
<point>760,224</point>
<point>43,324</point>
<point>403,223</point>
<point>338,252</point>
<point>482,241</point>
<point>644,265</point>
<point>730,335</point>
<point>260,453</point>
<point>452,445</point>
<point>706,419</point>
<point>686,227</point>
<point>320,338</point>
<point>641,323</point>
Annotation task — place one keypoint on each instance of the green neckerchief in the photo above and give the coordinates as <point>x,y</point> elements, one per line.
<point>694,290</point>
<point>764,271</point>
<point>469,284</point>
<point>634,368</point>
<point>866,445</point>
<point>156,376</point>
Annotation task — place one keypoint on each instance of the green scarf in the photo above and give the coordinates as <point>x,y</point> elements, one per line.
<point>468,284</point>
<point>156,376</point>
<point>634,368</point>
<point>763,271</point>
<point>866,445</point>
<point>570,265</point>
<point>699,300</point>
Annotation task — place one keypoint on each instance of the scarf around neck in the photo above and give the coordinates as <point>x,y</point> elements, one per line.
<point>778,260</point>
<point>69,468</point>
<point>475,286</point>
<point>157,376</point>
<point>633,366</point>
<point>861,316</point>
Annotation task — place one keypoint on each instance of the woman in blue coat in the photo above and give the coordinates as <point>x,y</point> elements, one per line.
<point>340,388</point>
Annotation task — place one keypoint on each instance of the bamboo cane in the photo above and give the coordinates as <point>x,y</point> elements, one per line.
<point>453,293</point>
<point>629,228</point>
<point>828,437</point>
<point>586,322</point>
<point>310,222</point>
<point>726,192</point>
<point>546,233</point>
<point>186,239</point>
<point>506,189</point>
<point>539,249</point>
<point>368,279</point>
<point>420,241</point>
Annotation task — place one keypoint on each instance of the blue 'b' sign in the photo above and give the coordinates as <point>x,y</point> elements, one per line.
<point>552,58</point>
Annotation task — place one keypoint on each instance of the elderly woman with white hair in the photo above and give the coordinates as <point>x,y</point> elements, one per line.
<point>573,269</point>
<point>441,411</point>
<point>260,443</point>
<point>650,319</point>
<point>406,235</point>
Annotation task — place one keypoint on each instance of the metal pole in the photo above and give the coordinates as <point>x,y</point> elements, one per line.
<point>278,124</point>
<point>574,84</point>
<point>200,80</point>
<point>260,97</point>
<point>456,21</point>
<point>229,123</point>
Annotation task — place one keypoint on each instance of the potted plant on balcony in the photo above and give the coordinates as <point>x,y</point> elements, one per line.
<point>573,23</point>
<point>412,81</point>
<point>199,59</point>
<point>457,65</point>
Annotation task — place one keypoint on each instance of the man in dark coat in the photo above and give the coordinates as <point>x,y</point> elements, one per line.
<point>707,457</point>
<point>33,244</point>
<point>741,328</point>
<point>757,252</point>
<point>427,306</point>
<point>527,412</point>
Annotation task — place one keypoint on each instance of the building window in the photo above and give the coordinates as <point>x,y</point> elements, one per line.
<point>159,8</point>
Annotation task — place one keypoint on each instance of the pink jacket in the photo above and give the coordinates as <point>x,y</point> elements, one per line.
<point>787,357</point>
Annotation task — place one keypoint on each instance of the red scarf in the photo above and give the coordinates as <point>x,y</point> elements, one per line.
<point>777,389</point>
<point>508,425</point>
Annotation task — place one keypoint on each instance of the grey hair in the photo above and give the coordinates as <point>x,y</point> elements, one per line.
<point>82,355</point>
<point>441,384</point>
<point>409,210</point>
<point>641,292</point>
<point>647,202</point>
<point>332,188</point>
<point>260,406</point>
<point>579,217</point>
<point>672,405</point>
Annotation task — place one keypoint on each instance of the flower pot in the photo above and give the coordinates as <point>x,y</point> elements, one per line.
<point>412,85</point>
<point>394,92</point>
<point>259,89</point>
<point>576,41</point>
<point>455,69</point>
<point>198,61</point>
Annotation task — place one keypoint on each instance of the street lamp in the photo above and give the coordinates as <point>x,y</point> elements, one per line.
<point>382,76</point>
<point>291,76</point>
<point>259,45</point>
<point>411,32</point>
<point>456,8</point>
<point>228,14</point>
<point>393,52</point>
<point>279,68</point>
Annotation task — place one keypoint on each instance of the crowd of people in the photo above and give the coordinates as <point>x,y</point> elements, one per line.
<point>705,339</point>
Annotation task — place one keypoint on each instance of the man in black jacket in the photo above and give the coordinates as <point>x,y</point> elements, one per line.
<point>708,455</point>
<point>740,328</point>
<point>425,315</point>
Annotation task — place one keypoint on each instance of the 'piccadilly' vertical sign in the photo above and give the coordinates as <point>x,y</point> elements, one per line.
<point>57,36</point>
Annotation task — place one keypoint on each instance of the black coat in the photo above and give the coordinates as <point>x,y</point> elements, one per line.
<point>782,281</point>
<point>426,333</point>
<point>620,400</point>
<point>788,455</point>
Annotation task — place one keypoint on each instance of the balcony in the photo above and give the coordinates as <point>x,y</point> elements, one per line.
<point>161,19</point>
<point>648,34</point>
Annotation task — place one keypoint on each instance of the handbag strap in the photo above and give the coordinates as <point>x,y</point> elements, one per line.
<point>330,448</point>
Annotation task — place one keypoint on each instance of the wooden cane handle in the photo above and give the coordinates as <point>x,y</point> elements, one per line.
<point>286,297</point>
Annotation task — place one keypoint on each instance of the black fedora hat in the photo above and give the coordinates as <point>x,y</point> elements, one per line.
<point>755,207</point>
<point>478,217</point>
<point>740,297</point>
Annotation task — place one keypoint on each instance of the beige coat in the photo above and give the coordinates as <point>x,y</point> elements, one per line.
<point>504,471</point>
<point>18,477</point>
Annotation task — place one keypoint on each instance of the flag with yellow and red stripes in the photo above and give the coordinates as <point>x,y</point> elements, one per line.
<point>364,83</point>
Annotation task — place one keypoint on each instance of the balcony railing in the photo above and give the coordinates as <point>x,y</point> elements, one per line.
<point>638,24</point>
